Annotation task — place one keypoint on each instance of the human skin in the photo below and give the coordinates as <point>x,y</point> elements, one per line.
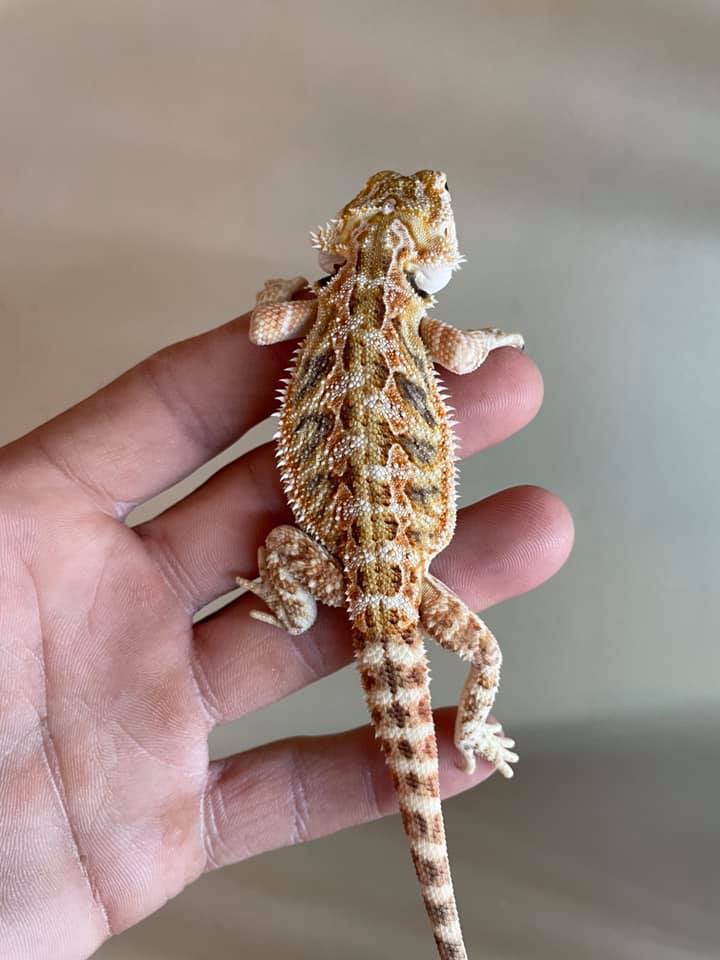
<point>109,805</point>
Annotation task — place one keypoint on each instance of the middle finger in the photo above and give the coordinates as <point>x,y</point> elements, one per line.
<point>203,542</point>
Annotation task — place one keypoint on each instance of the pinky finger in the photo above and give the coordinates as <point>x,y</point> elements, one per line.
<point>306,787</point>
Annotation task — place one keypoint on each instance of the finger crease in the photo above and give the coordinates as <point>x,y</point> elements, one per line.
<point>57,783</point>
<point>187,419</point>
<point>96,494</point>
<point>298,798</point>
<point>203,688</point>
<point>173,572</point>
<point>215,820</point>
<point>370,783</point>
<point>210,835</point>
<point>54,770</point>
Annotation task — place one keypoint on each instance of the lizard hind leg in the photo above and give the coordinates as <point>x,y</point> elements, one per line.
<point>449,622</point>
<point>295,572</point>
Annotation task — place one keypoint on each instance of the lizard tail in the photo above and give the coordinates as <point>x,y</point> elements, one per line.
<point>393,667</point>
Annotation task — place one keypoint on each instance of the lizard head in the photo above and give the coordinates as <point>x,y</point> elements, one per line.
<point>412,214</point>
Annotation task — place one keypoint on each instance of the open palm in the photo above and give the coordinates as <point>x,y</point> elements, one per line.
<point>108,804</point>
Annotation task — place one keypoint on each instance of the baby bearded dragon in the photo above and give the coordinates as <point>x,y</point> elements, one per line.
<point>366,451</point>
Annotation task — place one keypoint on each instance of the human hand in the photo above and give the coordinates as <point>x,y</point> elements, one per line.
<point>108,804</point>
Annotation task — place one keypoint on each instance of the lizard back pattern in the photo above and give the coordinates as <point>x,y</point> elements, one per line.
<point>366,452</point>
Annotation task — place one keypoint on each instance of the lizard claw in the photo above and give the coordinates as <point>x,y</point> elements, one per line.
<point>292,608</point>
<point>247,586</point>
<point>266,618</point>
<point>256,586</point>
<point>487,741</point>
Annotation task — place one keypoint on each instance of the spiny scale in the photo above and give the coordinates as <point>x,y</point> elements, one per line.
<point>368,464</point>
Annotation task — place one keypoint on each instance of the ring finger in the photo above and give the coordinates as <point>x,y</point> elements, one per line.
<point>504,546</point>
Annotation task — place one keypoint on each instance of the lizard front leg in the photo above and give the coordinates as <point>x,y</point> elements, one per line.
<point>462,351</point>
<point>276,316</point>
<point>449,622</point>
<point>295,572</point>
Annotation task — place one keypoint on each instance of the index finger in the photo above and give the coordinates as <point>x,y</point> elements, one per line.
<point>165,417</point>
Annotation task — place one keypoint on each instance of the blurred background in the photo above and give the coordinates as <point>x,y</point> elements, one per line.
<point>158,160</point>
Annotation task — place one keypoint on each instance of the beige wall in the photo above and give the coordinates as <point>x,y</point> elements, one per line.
<point>160,159</point>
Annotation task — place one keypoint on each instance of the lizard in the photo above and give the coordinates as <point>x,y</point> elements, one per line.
<point>367,457</point>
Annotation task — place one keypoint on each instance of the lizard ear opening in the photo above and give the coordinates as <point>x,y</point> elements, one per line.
<point>430,279</point>
<point>330,262</point>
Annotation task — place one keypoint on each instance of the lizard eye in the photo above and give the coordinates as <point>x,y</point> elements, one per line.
<point>447,186</point>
